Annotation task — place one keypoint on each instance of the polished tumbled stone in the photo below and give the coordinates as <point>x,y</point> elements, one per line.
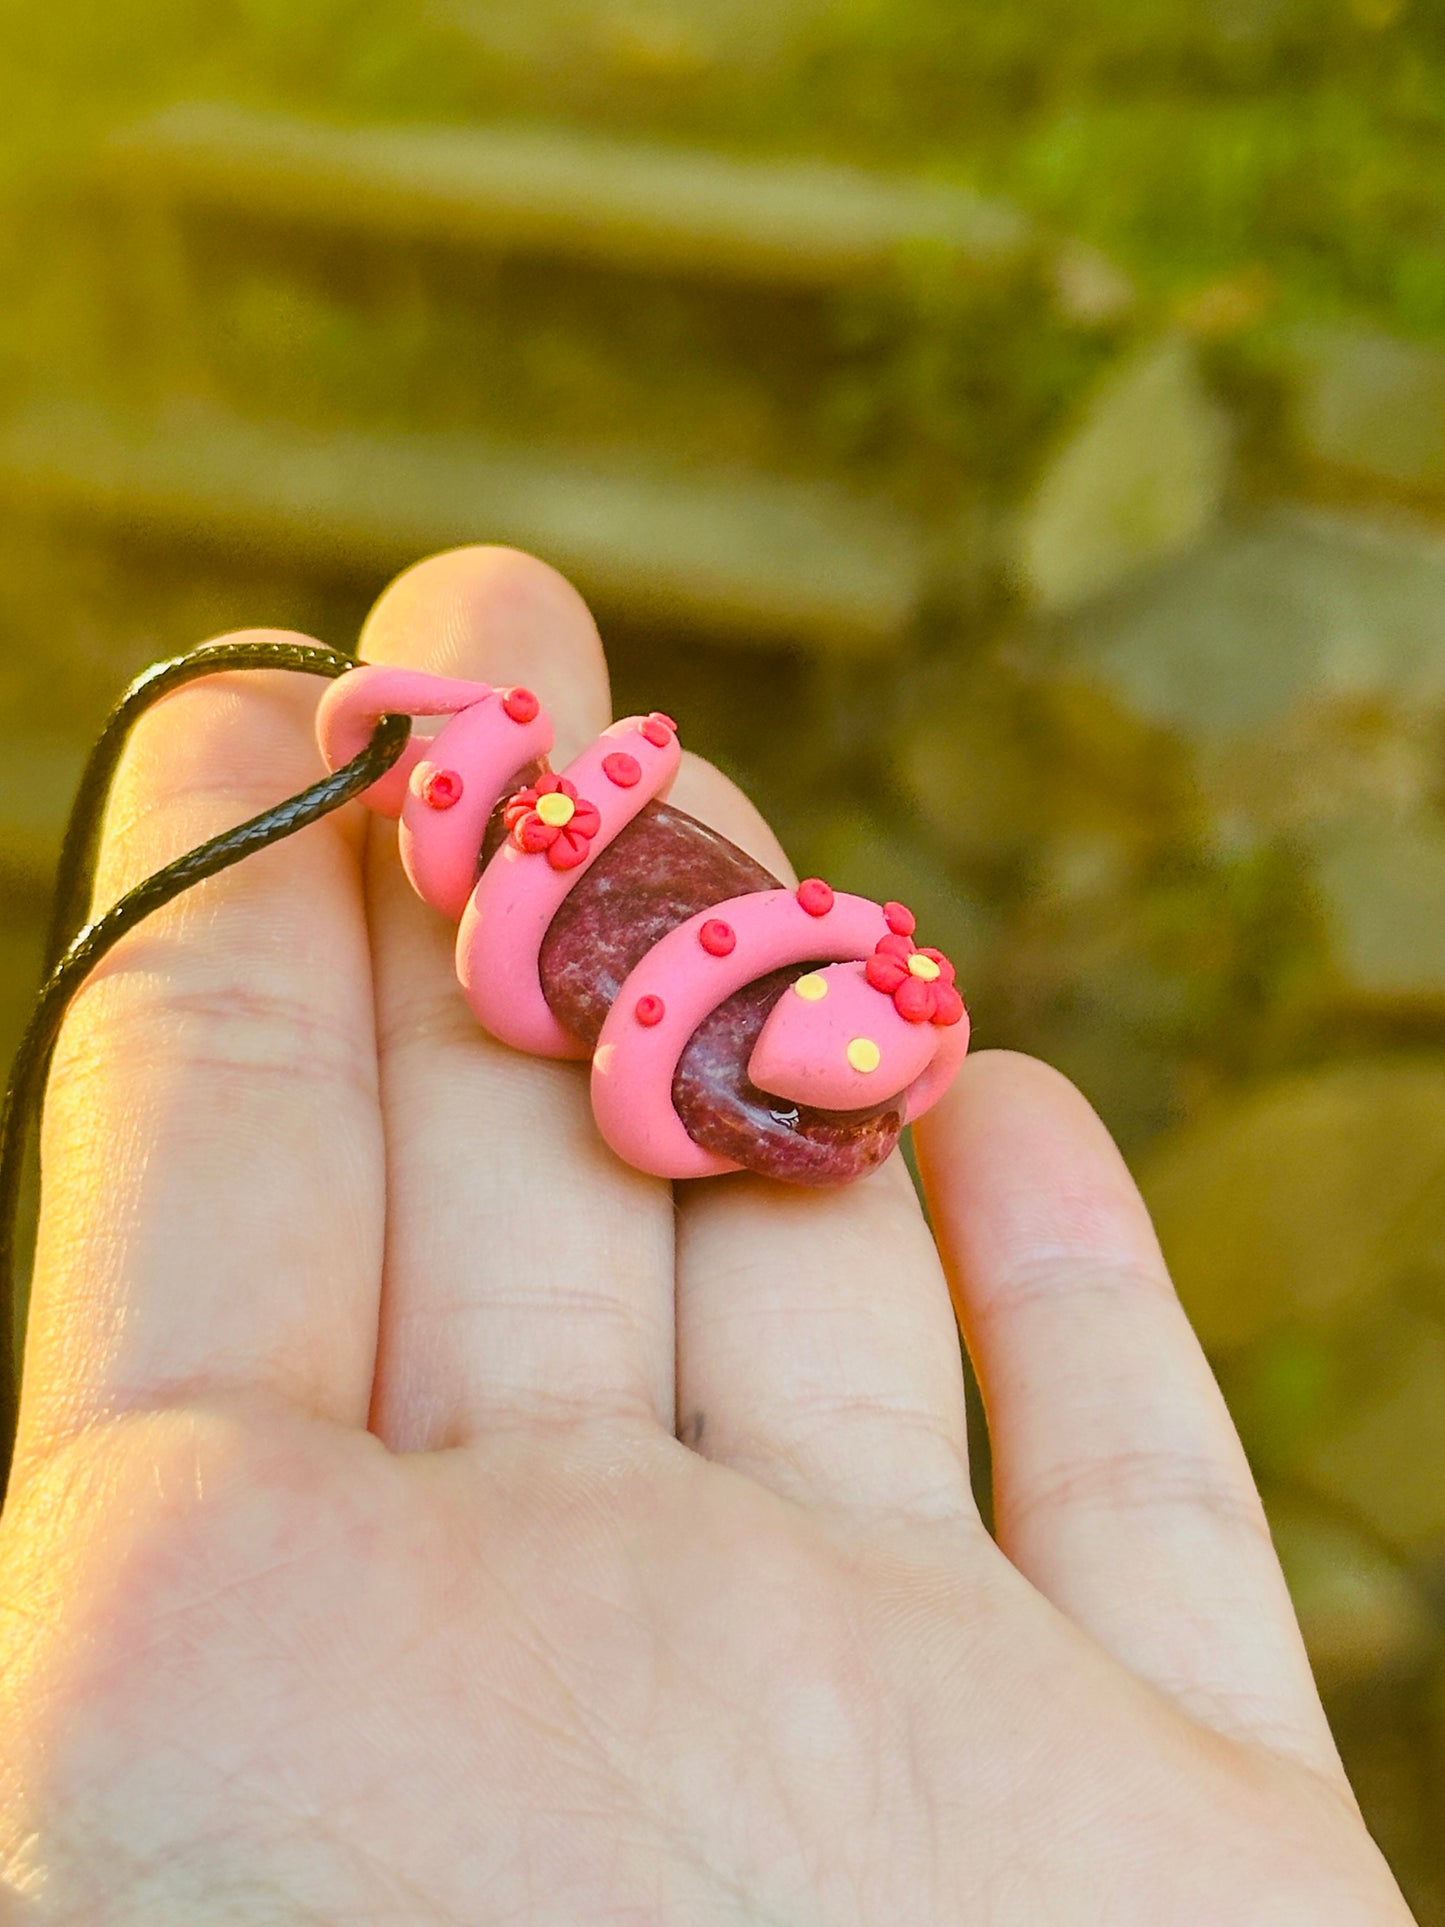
<point>664,868</point>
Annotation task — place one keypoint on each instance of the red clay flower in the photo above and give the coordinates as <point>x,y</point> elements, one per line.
<point>920,982</point>
<point>551,817</point>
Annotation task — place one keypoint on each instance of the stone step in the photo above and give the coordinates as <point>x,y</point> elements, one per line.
<point>551,190</point>
<point>781,563</point>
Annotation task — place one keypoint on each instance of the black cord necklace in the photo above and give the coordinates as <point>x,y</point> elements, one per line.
<point>74,947</point>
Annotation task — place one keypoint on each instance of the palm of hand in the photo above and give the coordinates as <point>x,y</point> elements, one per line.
<point>517,1652</point>
<point>598,1678</point>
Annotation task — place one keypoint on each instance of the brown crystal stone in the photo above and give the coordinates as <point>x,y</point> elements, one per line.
<point>662,869</point>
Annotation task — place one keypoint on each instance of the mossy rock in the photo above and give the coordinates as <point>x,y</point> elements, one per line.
<point>1141,477</point>
<point>1370,405</point>
<point>1305,1200</point>
<point>1379,1448</point>
<point>1297,659</point>
<point>1380,890</point>
<point>1360,1612</point>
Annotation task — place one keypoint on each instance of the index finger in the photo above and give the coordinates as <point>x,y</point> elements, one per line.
<point>212,1157</point>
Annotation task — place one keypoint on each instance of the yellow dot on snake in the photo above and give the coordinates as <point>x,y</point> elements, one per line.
<point>864,1054</point>
<point>921,966</point>
<point>556,809</point>
<point>811,988</point>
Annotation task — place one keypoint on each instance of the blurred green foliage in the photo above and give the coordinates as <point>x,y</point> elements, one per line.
<point>1185,136</point>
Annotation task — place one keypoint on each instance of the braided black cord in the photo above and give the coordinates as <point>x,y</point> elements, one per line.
<point>70,959</point>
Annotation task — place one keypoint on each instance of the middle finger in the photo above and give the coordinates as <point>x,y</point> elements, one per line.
<point>528,1272</point>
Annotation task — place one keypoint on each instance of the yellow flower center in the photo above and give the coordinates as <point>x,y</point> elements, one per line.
<point>556,809</point>
<point>811,988</point>
<point>924,967</point>
<point>864,1054</point>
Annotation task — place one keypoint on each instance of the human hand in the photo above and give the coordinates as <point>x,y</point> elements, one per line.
<point>419,1516</point>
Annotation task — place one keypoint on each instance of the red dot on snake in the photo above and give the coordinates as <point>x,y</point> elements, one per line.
<point>900,919</point>
<point>521,705</point>
<point>815,896</point>
<point>439,789</point>
<point>623,770</point>
<point>649,1010</point>
<point>717,938</point>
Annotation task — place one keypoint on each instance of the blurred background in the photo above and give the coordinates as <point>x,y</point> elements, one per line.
<point>1011,439</point>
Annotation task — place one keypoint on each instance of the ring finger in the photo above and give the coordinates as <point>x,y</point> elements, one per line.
<point>817,1349</point>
